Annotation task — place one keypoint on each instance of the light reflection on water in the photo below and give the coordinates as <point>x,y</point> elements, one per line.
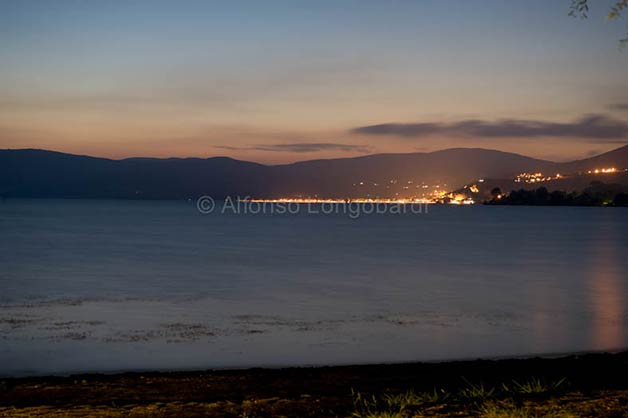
<point>608,291</point>
<point>112,285</point>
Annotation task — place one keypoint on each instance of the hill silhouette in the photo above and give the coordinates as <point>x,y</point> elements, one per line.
<point>49,174</point>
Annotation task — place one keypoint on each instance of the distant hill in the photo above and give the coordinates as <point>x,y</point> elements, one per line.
<point>573,183</point>
<point>575,176</point>
<point>39,173</point>
<point>616,158</point>
<point>448,168</point>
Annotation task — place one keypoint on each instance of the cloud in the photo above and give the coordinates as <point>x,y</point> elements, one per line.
<point>593,153</point>
<point>300,147</point>
<point>609,141</point>
<point>618,106</point>
<point>589,126</point>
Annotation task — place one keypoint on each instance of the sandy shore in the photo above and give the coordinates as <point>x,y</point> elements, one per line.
<point>594,385</point>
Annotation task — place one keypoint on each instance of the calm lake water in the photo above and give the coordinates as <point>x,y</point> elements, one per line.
<point>90,285</point>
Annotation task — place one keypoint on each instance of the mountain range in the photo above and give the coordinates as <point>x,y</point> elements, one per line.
<point>49,174</point>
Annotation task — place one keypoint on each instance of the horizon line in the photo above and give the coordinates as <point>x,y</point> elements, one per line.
<point>311,160</point>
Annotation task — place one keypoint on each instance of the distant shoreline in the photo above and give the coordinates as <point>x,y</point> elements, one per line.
<point>315,366</point>
<point>596,195</point>
<point>41,173</point>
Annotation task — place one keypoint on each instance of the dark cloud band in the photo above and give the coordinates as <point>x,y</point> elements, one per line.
<point>302,147</point>
<point>590,126</point>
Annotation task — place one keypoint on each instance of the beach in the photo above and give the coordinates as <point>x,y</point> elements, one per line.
<point>586,385</point>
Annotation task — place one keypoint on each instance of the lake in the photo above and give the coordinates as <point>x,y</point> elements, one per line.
<point>103,285</point>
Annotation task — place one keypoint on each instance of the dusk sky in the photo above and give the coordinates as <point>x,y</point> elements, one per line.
<point>280,81</point>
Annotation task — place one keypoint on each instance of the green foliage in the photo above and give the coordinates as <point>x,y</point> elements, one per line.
<point>394,405</point>
<point>364,407</point>
<point>620,199</point>
<point>408,399</point>
<point>534,385</point>
<point>476,391</point>
<point>496,192</point>
<point>617,9</point>
<point>488,401</point>
<point>581,8</point>
<point>598,194</point>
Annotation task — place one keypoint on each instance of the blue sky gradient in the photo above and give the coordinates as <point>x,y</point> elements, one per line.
<point>201,78</point>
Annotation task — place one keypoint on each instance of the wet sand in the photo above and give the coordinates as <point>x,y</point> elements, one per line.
<point>576,385</point>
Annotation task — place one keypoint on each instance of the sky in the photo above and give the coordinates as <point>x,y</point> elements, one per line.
<point>281,81</point>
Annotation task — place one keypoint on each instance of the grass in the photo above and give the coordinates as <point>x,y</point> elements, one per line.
<point>497,389</point>
<point>507,410</point>
<point>410,398</point>
<point>485,401</point>
<point>435,404</point>
<point>475,391</point>
<point>394,405</point>
<point>535,385</point>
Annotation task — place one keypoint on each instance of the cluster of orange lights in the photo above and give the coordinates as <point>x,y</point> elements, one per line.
<point>436,195</point>
<point>305,200</point>
<point>535,177</point>
<point>441,198</point>
<point>603,170</point>
<point>460,199</point>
